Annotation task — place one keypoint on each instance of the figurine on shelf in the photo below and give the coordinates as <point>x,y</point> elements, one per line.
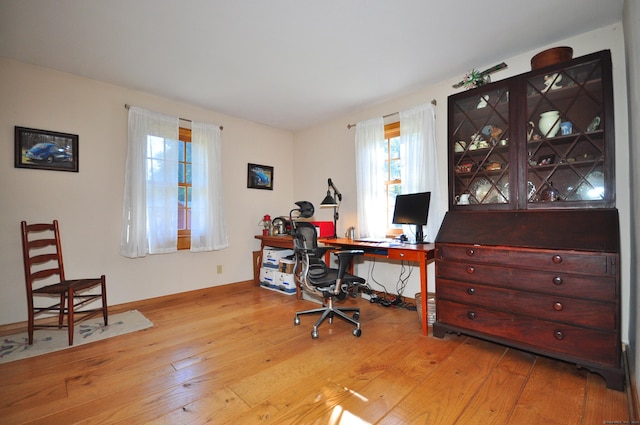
<point>551,82</point>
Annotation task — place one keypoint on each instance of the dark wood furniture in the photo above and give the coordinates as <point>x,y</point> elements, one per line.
<point>45,280</point>
<point>503,157</point>
<point>528,254</point>
<point>543,281</point>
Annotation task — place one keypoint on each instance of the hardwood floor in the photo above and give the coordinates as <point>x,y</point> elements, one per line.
<point>232,355</point>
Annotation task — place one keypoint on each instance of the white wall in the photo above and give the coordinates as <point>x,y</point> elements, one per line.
<point>631,21</point>
<point>330,148</point>
<point>88,204</point>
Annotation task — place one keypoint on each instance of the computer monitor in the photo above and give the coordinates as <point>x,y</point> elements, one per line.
<point>413,208</point>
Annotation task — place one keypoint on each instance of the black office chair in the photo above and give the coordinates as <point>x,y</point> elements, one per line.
<point>315,277</point>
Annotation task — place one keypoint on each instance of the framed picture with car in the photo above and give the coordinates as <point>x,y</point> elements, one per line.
<point>259,176</point>
<point>45,150</point>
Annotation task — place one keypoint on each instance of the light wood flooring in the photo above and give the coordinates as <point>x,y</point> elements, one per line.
<point>232,355</point>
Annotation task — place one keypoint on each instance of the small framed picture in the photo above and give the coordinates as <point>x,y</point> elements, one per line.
<point>259,176</point>
<point>546,160</point>
<point>45,150</point>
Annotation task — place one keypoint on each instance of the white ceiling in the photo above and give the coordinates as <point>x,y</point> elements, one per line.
<point>289,64</point>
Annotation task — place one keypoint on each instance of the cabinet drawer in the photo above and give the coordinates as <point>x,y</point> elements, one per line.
<point>554,282</point>
<point>408,255</point>
<point>590,263</point>
<point>547,307</point>
<point>589,344</point>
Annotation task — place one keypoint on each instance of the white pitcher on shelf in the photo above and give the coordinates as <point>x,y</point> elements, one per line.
<point>463,199</point>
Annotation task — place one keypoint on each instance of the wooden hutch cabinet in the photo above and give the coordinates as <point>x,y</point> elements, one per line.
<point>528,254</point>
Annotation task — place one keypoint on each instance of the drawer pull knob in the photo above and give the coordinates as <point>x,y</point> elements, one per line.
<point>402,254</point>
<point>470,270</point>
<point>557,280</point>
<point>557,259</point>
<point>471,291</point>
<point>557,306</point>
<point>470,252</point>
<point>471,315</point>
<point>558,335</point>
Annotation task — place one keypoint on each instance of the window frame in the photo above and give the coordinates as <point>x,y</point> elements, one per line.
<point>184,235</point>
<point>391,131</point>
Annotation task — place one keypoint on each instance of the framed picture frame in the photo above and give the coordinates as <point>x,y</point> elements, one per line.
<point>45,150</point>
<point>259,176</point>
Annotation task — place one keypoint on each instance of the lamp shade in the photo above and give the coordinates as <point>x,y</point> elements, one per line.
<point>328,201</point>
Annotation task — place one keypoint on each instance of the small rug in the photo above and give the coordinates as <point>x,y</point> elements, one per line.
<point>16,347</point>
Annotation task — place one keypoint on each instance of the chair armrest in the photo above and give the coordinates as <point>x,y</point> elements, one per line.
<point>344,259</point>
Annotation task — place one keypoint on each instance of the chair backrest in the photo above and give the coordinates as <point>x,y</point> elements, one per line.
<point>305,236</point>
<point>42,253</point>
<point>305,244</point>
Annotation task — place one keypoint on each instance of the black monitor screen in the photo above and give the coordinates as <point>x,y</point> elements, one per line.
<point>412,208</point>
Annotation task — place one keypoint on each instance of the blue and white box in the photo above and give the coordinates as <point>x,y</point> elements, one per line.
<point>271,256</point>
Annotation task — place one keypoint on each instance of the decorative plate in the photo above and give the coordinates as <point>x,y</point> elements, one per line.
<point>596,190</point>
<point>479,189</point>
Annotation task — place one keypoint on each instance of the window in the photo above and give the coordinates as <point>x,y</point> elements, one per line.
<point>155,195</point>
<point>184,188</point>
<point>393,181</point>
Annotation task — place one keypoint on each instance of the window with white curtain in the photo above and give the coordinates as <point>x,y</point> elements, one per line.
<point>151,194</point>
<point>396,159</point>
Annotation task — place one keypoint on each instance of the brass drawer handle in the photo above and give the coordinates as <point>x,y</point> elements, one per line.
<point>470,252</point>
<point>557,280</point>
<point>471,291</point>
<point>558,335</point>
<point>557,306</point>
<point>470,270</point>
<point>471,315</point>
<point>557,259</point>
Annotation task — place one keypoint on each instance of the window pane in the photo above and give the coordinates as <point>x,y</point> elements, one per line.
<point>188,152</point>
<point>188,171</point>
<point>182,196</point>
<point>181,151</point>
<point>395,170</point>
<point>395,147</point>
<point>180,172</point>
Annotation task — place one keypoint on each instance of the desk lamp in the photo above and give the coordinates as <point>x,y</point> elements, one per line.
<point>330,202</point>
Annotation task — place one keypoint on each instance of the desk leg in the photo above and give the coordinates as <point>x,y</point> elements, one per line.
<point>259,263</point>
<point>423,291</point>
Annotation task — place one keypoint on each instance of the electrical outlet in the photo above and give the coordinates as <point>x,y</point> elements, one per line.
<point>219,269</point>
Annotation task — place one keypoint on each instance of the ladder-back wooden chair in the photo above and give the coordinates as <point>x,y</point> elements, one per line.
<point>45,279</point>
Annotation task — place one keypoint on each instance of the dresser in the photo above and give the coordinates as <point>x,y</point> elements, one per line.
<point>541,281</point>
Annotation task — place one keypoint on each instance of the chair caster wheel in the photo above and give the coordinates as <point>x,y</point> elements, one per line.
<point>296,321</point>
<point>314,334</point>
<point>357,332</point>
<point>356,315</point>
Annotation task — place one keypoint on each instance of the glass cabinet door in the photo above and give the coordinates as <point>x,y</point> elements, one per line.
<point>480,128</point>
<point>566,155</point>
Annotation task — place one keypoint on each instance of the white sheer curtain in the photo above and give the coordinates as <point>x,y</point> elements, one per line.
<point>208,230</point>
<point>150,213</point>
<point>370,178</point>
<point>152,157</point>
<point>419,170</point>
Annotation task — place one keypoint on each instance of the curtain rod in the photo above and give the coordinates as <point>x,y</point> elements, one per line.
<point>349,126</point>
<point>127,106</point>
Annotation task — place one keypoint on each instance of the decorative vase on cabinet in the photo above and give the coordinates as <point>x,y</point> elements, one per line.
<point>528,254</point>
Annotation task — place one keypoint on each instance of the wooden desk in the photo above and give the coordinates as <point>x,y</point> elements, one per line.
<point>281,241</point>
<point>421,254</point>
